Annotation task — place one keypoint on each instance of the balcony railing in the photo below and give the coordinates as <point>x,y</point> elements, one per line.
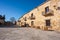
<point>19,20</point>
<point>32,17</point>
<point>49,13</point>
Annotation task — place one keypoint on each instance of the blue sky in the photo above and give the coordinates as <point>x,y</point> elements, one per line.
<point>17,8</point>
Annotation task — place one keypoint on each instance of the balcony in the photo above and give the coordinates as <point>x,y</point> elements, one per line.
<point>19,20</point>
<point>32,17</point>
<point>49,13</point>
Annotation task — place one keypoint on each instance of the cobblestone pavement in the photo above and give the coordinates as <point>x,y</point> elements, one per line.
<point>27,34</point>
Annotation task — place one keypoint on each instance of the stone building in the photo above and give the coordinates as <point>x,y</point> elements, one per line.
<point>46,16</point>
<point>2,20</point>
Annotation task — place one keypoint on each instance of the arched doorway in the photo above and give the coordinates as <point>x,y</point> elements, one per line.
<point>26,25</point>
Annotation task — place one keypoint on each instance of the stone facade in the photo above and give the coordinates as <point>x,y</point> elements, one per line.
<point>45,17</point>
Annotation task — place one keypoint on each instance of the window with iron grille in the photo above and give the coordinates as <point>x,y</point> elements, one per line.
<point>48,23</point>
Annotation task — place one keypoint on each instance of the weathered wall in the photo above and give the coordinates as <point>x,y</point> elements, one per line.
<point>39,20</point>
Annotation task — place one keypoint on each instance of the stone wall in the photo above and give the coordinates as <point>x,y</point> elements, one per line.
<point>39,21</point>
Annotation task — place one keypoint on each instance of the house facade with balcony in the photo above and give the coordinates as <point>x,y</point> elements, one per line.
<point>46,16</point>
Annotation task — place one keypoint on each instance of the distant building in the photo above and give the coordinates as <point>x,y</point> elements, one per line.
<point>46,16</point>
<point>2,20</point>
<point>8,23</point>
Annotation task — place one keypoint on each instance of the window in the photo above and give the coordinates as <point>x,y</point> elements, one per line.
<point>25,19</point>
<point>32,23</point>
<point>32,15</point>
<point>58,8</point>
<point>47,22</point>
<point>47,9</point>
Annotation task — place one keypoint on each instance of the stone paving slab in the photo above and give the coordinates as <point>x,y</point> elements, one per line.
<point>27,34</point>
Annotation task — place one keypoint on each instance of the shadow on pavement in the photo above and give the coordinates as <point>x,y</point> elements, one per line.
<point>12,26</point>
